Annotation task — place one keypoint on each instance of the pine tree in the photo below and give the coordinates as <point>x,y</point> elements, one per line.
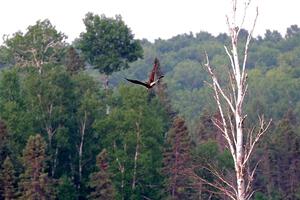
<point>4,151</point>
<point>66,189</point>
<point>100,181</point>
<point>279,171</point>
<point>8,180</point>
<point>73,61</point>
<point>35,184</point>
<point>176,160</point>
<point>162,93</point>
<point>3,142</point>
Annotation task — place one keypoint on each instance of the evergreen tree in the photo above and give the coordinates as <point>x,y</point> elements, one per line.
<point>73,61</point>
<point>176,160</point>
<point>8,180</point>
<point>66,189</point>
<point>34,183</point>
<point>100,181</point>
<point>3,142</point>
<point>279,171</point>
<point>162,92</point>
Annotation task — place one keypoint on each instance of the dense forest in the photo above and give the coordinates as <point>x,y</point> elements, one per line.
<point>71,127</point>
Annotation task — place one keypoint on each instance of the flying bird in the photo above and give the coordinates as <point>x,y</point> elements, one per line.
<point>151,82</point>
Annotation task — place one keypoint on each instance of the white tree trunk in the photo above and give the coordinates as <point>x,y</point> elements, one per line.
<point>80,152</point>
<point>137,150</point>
<point>230,106</point>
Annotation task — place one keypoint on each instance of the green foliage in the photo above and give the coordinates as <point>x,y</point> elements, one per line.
<point>8,180</point>
<point>42,44</point>
<point>4,139</point>
<point>34,183</point>
<point>108,43</point>
<point>73,61</point>
<point>134,111</point>
<point>177,158</point>
<point>63,102</point>
<point>100,181</point>
<point>53,103</point>
<point>66,190</point>
<point>13,111</point>
<point>260,196</point>
<point>281,160</point>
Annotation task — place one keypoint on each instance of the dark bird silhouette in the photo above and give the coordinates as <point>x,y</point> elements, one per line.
<point>151,82</point>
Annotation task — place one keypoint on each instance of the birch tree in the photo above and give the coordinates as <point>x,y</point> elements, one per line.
<point>42,44</point>
<point>240,141</point>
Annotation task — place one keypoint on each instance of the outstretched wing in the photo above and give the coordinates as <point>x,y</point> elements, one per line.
<point>137,82</point>
<point>154,82</point>
<point>153,72</point>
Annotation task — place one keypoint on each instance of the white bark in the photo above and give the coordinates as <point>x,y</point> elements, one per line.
<point>82,133</point>
<point>137,150</point>
<point>231,125</point>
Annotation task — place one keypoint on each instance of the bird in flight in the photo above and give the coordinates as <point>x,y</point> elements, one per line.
<point>151,82</point>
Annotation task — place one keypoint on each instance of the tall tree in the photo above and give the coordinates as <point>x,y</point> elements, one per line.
<point>50,96</point>
<point>74,63</point>
<point>100,181</point>
<point>279,174</point>
<point>13,111</point>
<point>8,180</point>
<point>232,118</point>
<point>3,142</point>
<point>34,183</point>
<point>88,109</point>
<point>40,45</point>
<point>177,159</point>
<point>292,31</point>
<point>108,43</point>
<point>133,134</point>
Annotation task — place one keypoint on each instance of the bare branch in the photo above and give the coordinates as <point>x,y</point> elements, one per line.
<point>250,181</point>
<point>215,172</point>
<point>246,5</point>
<point>231,61</point>
<point>263,128</point>
<point>247,44</point>
<point>230,107</point>
<point>232,83</point>
<point>216,85</point>
<point>232,130</point>
<point>215,184</point>
<point>221,128</point>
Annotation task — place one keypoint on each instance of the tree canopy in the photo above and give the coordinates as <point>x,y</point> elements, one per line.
<point>108,44</point>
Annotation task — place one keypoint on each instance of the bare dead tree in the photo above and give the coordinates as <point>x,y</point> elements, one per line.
<point>241,143</point>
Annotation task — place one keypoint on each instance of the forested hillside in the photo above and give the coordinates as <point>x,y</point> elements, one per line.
<point>71,127</point>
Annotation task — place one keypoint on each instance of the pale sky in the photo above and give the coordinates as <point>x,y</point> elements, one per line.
<point>149,19</point>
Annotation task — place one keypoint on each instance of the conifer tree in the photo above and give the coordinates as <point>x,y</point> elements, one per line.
<point>66,189</point>
<point>4,151</point>
<point>3,142</point>
<point>162,93</point>
<point>8,180</point>
<point>73,61</point>
<point>35,183</point>
<point>279,171</point>
<point>100,181</point>
<point>176,160</point>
